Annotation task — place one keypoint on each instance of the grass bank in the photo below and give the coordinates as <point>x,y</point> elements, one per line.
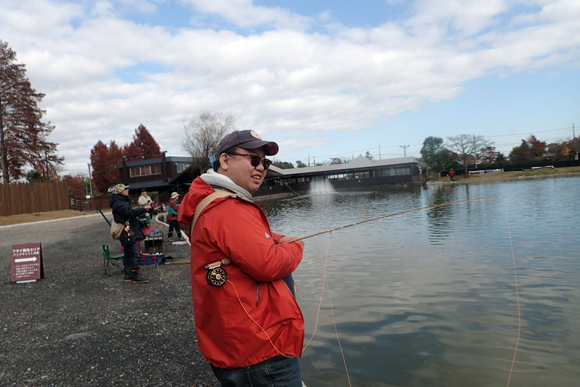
<point>512,175</point>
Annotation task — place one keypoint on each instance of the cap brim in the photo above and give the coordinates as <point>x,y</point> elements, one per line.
<point>270,147</point>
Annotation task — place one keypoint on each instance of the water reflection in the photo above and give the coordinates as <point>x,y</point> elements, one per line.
<point>429,298</point>
<point>438,218</point>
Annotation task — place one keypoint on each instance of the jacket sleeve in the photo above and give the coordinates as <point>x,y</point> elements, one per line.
<point>247,240</point>
<point>125,211</point>
<point>276,237</point>
<point>185,214</point>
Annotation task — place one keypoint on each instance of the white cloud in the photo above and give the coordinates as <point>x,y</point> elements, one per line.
<point>285,82</point>
<point>245,14</point>
<point>463,16</point>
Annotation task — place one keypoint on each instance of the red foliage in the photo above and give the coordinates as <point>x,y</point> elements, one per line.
<point>143,146</point>
<point>104,161</point>
<point>75,187</point>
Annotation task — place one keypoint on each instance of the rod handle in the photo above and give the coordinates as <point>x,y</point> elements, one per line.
<point>223,262</point>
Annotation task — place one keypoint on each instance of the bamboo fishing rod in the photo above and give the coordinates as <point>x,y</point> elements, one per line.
<point>396,214</point>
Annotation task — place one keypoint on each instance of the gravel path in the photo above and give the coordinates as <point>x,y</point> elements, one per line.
<point>79,327</point>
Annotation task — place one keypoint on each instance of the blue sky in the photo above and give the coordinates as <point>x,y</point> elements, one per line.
<point>324,79</point>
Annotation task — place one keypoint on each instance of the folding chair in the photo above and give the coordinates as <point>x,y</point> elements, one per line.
<point>111,260</point>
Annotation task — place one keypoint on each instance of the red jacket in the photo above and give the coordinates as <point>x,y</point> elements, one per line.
<point>235,228</point>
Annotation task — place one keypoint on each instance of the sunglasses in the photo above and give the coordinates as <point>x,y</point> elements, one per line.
<point>256,160</point>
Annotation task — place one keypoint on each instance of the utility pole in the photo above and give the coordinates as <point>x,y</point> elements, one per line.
<point>46,165</point>
<point>90,181</point>
<point>573,131</point>
<point>404,149</point>
<point>380,152</point>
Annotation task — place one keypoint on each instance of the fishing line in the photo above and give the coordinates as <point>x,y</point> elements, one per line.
<point>517,293</point>
<point>381,218</point>
<point>336,331</point>
<point>255,322</point>
<point>324,265</point>
<point>378,219</point>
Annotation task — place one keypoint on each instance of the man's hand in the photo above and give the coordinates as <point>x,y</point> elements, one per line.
<point>151,211</point>
<point>287,239</point>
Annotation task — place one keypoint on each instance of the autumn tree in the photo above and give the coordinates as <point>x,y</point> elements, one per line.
<point>203,134</point>
<point>75,187</point>
<point>143,146</point>
<point>562,150</point>
<point>531,149</point>
<point>104,160</point>
<point>488,155</point>
<point>282,164</point>
<point>22,132</point>
<point>574,145</point>
<point>85,182</point>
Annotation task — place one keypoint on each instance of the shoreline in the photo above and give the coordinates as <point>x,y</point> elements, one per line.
<point>506,176</point>
<point>13,220</point>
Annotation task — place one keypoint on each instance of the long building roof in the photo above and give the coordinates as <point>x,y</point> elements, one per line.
<point>360,162</point>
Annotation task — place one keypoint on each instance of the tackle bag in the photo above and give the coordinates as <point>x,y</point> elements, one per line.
<point>116,229</point>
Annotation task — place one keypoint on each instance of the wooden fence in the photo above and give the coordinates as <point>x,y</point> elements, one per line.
<point>94,204</point>
<point>28,198</point>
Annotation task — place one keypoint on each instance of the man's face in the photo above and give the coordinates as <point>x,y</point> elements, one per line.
<point>241,171</point>
<point>125,192</point>
<point>144,193</point>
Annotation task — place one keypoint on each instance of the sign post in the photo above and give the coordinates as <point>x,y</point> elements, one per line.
<point>27,263</point>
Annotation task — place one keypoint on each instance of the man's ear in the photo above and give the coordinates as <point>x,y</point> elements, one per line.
<point>224,162</point>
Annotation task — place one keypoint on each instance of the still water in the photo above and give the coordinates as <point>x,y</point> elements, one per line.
<point>429,298</point>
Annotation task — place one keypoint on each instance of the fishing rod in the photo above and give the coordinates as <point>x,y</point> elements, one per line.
<point>396,214</point>
<point>217,276</point>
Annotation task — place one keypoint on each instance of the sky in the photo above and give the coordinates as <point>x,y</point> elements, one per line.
<point>321,78</point>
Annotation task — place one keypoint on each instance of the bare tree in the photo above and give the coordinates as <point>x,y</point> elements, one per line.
<point>202,136</point>
<point>468,146</point>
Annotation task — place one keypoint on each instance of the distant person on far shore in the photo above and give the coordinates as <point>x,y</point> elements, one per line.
<point>451,174</point>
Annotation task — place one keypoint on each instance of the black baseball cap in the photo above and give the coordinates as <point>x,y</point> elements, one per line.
<point>247,139</point>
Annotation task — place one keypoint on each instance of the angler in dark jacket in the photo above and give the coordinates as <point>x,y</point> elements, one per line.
<point>124,214</point>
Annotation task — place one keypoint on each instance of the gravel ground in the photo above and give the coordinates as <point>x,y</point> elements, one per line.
<point>79,327</point>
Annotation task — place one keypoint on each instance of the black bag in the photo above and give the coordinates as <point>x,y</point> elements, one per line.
<point>125,238</point>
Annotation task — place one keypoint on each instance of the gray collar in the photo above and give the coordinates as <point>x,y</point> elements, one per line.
<point>217,180</point>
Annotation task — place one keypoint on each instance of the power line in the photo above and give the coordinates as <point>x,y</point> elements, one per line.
<point>378,148</point>
<point>537,131</point>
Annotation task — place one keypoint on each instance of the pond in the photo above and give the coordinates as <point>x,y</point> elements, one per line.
<point>431,297</point>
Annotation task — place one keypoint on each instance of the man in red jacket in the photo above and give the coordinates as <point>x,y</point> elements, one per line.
<point>249,326</point>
